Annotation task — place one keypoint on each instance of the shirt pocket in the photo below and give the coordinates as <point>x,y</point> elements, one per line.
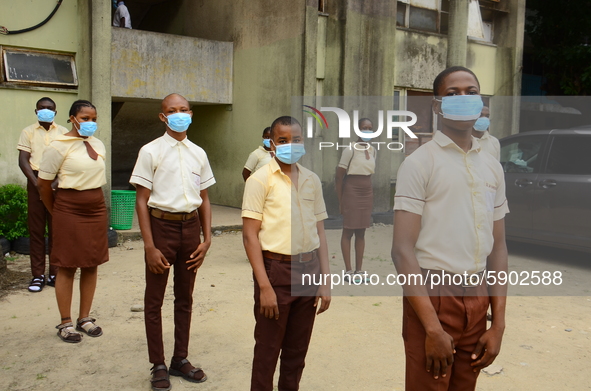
<point>196,180</point>
<point>308,195</point>
<point>490,196</point>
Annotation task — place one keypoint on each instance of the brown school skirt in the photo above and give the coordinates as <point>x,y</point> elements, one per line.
<point>357,201</point>
<point>79,228</point>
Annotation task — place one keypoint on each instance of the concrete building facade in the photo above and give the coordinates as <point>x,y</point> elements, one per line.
<point>241,63</point>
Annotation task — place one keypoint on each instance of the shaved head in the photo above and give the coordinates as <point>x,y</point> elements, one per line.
<point>173,99</point>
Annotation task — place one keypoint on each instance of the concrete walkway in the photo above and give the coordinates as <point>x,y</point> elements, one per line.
<point>224,218</point>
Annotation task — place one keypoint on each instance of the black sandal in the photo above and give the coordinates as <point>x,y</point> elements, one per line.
<point>87,325</point>
<point>175,370</point>
<point>51,281</point>
<point>155,379</point>
<point>37,284</point>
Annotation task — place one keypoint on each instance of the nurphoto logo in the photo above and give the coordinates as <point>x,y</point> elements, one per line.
<point>345,127</point>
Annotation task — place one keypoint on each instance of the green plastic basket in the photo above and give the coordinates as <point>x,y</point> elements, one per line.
<point>122,207</point>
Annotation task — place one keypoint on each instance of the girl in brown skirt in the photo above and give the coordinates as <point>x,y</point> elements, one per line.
<point>79,216</point>
<point>355,194</point>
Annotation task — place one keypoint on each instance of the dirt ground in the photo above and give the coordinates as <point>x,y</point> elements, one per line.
<point>356,344</point>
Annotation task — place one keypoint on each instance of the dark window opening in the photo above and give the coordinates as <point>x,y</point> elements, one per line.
<point>38,68</point>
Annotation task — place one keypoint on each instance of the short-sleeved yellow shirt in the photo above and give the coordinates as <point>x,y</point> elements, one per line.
<point>34,139</point>
<point>67,158</point>
<point>257,158</point>
<point>357,162</point>
<point>490,144</point>
<point>288,215</point>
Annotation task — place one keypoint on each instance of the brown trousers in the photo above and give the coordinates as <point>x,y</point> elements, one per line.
<point>37,219</point>
<point>177,240</point>
<point>462,313</point>
<point>290,334</point>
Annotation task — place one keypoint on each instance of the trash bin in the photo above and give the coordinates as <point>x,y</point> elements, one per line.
<point>122,207</point>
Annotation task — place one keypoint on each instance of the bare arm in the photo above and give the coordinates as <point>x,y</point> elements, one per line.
<point>491,340</point>
<point>323,291</point>
<point>250,238</point>
<point>46,193</point>
<point>439,347</point>
<point>155,260</point>
<point>339,175</point>
<point>246,173</point>
<point>198,255</point>
<point>25,166</point>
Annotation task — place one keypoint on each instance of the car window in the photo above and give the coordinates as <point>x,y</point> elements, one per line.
<point>521,154</point>
<point>570,155</point>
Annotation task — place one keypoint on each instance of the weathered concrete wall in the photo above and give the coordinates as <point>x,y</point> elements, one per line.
<point>268,67</point>
<point>359,60</point>
<point>285,49</point>
<point>18,103</point>
<point>509,38</point>
<point>458,33</point>
<point>481,60</point>
<point>127,141</point>
<point>419,58</point>
<point>147,65</point>
<point>100,89</point>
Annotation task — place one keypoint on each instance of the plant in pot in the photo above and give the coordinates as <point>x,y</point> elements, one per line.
<point>13,216</point>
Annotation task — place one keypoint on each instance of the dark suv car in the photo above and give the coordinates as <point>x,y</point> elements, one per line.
<point>548,179</point>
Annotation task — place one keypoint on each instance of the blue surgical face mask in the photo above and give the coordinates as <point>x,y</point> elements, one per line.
<point>45,115</point>
<point>461,107</point>
<point>482,124</point>
<point>179,122</point>
<point>289,153</point>
<point>267,142</point>
<point>366,139</point>
<point>86,129</point>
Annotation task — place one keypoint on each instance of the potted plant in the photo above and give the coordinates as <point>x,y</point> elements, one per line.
<point>13,213</point>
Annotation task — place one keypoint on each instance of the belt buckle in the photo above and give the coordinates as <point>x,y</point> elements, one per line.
<point>471,280</point>
<point>301,256</point>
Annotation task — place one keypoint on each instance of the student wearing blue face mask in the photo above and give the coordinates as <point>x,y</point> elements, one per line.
<point>31,144</point>
<point>487,142</point>
<point>283,233</point>
<point>355,195</point>
<point>449,221</point>
<point>172,176</point>
<point>259,157</point>
<point>79,213</point>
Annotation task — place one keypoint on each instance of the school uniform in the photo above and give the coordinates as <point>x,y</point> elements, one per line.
<point>175,172</point>
<point>120,13</point>
<point>34,139</point>
<point>257,159</point>
<point>80,219</point>
<point>289,240</point>
<point>357,197</point>
<point>490,144</point>
<point>459,195</point>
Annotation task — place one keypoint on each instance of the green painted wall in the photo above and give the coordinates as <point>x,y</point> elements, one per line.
<point>61,33</point>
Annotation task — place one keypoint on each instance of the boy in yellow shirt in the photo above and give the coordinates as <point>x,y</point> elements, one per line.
<point>283,241</point>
